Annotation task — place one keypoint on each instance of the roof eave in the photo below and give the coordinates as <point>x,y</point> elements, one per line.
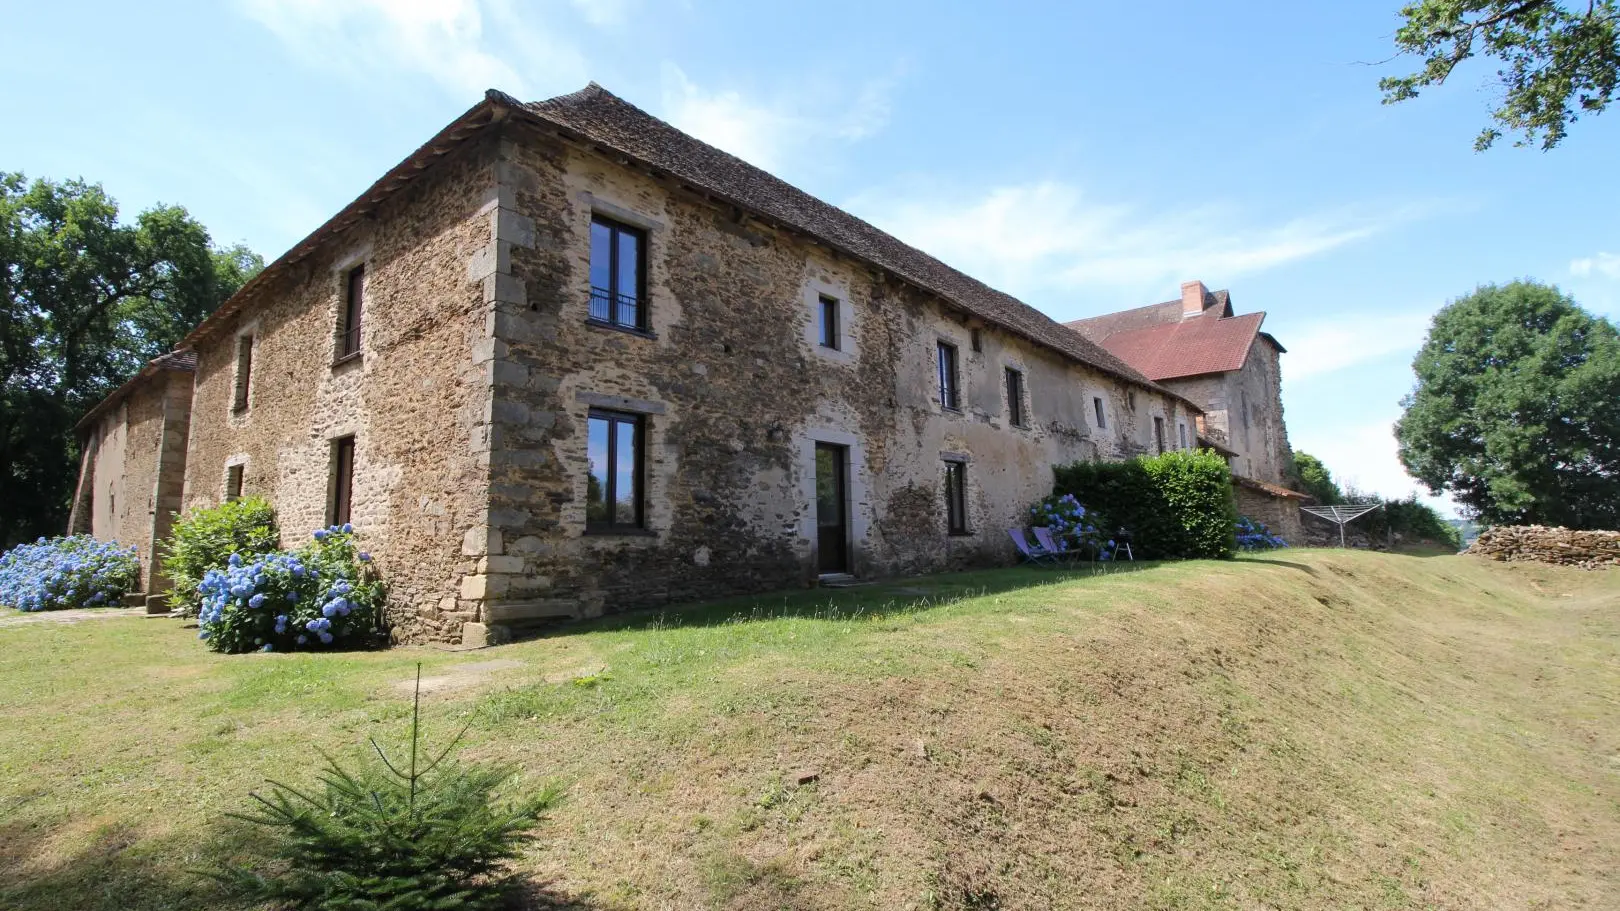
<point>152,368</point>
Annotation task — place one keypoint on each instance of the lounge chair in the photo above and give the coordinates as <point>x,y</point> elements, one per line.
<point>1050,545</point>
<point>1032,553</point>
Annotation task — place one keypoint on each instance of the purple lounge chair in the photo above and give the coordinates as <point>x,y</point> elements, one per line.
<point>1032,553</point>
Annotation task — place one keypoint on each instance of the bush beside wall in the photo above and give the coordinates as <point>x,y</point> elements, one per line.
<point>205,539</point>
<point>1177,505</point>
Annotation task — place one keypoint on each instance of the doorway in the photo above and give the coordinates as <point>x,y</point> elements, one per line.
<point>832,508</point>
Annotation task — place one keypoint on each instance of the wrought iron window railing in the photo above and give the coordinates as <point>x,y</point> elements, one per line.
<point>618,309</point>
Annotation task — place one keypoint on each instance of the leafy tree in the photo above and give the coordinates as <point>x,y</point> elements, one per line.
<point>1559,61</point>
<point>1517,409</point>
<point>1315,479</point>
<point>87,302</point>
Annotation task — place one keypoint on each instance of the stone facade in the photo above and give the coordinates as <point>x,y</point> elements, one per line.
<point>1243,411</point>
<point>479,368</point>
<point>134,467</point>
<point>1278,511</point>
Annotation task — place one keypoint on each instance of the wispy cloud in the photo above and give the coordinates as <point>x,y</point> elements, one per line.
<point>1049,236</point>
<point>1329,346</point>
<point>452,42</point>
<point>1366,457</point>
<point>771,132</point>
<point>603,13</point>
<point>1606,265</point>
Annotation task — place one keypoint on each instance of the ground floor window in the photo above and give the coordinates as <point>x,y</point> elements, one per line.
<point>614,453</point>
<point>341,488</point>
<point>233,483</point>
<point>956,497</point>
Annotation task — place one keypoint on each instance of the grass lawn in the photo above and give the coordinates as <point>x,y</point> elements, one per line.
<point>1303,730</point>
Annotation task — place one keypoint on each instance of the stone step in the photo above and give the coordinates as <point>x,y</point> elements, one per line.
<point>506,613</point>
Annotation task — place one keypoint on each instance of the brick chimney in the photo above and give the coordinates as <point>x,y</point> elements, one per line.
<point>1193,295</point>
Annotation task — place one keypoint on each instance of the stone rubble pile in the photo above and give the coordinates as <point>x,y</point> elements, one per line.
<point>1542,544</point>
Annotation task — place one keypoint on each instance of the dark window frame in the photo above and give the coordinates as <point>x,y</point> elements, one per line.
<point>340,488</point>
<point>610,491</point>
<point>240,395</point>
<point>1097,409</point>
<point>956,522</point>
<point>950,393</point>
<point>1158,433</point>
<point>1015,397</point>
<point>611,295</point>
<point>233,482</point>
<point>975,341</point>
<point>354,306</point>
<point>832,330</point>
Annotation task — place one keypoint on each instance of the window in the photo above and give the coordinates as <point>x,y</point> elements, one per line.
<point>1158,434</point>
<point>354,299</point>
<point>947,376</point>
<point>618,258</point>
<point>341,486</point>
<point>1096,405</point>
<point>1015,397</point>
<point>829,322</point>
<point>244,371</point>
<point>1182,430</point>
<point>614,452</point>
<point>977,341</point>
<point>956,497</point>
<point>233,483</point>
<point>1130,400</point>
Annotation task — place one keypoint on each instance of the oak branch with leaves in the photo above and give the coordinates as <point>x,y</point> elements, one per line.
<point>1559,60</point>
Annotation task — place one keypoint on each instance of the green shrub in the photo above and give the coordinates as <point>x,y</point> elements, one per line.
<point>1176,506</point>
<point>1409,518</point>
<point>408,835</point>
<point>205,539</point>
<point>58,573</point>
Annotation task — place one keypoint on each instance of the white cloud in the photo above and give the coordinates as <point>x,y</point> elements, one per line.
<point>1050,236</point>
<point>445,40</point>
<point>1606,265</point>
<point>1332,345</point>
<point>602,13</point>
<point>1365,457</point>
<point>769,133</point>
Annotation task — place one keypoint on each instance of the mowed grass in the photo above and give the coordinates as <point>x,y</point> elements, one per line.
<point>1307,729</point>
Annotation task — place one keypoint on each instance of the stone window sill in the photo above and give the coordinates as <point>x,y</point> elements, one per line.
<point>620,533</point>
<point>345,360</point>
<point>627,330</point>
<point>961,534</point>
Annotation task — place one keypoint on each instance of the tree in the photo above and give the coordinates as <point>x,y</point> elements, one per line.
<point>1517,409</point>
<point>1559,61</point>
<point>87,302</point>
<point>1315,479</point>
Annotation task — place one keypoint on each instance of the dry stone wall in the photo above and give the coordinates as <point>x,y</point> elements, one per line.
<point>1543,544</point>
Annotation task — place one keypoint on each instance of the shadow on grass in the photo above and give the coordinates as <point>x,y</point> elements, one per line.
<point>889,597</point>
<point>116,870</point>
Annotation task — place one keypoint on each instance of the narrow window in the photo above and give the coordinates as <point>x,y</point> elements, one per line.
<point>354,300</point>
<point>1158,433</point>
<point>233,483</point>
<point>1015,397</point>
<point>1182,429</point>
<point>342,484</point>
<point>618,258</point>
<point>947,376</point>
<point>829,322</point>
<point>1096,405</point>
<point>614,455</point>
<point>956,497</point>
<point>244,372</point>
<point>977,341</point>
<point>1130,400</point>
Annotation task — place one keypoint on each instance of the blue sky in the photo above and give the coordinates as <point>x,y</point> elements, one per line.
<point>1086,157</point>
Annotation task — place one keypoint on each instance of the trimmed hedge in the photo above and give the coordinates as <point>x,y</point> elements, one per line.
<point>1176,506</point>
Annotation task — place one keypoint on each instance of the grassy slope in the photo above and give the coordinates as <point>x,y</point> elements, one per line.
<point>1318,729</point>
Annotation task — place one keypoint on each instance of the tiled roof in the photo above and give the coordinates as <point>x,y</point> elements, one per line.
<point>1159,342</point>
<point>1269,489</point>
<point>603,118</point>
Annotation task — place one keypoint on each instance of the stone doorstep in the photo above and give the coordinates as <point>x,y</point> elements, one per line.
<point>504,613</point>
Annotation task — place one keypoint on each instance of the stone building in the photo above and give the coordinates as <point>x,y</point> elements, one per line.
<point>134,464</point>
<point>566,359</point>
<point>1197,347</point>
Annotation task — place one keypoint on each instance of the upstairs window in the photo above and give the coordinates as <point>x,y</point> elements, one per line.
<point>614,455</point>
<point>618,268</point>
<point>829,329</point>
<point>340,491</point>
<point>244,372</point>
<point>354,301</point>
<point>977,340</point>
<point>948,397</point>
<point>956,497</point>
<point>1015,397</point>
<point>1158,434</point>
<point>1096,405</point>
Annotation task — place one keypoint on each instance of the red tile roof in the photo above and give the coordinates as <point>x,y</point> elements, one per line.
<point>1158,342</point>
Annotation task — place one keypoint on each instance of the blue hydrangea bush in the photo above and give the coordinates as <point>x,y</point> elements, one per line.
<point>1252,535</point>
<point>321,596</point>
<point>1073,526</point>
<point>60,573</point>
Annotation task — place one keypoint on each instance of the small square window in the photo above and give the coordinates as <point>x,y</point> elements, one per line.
<point>618,274</point>
<point>233,483</point>
<point>828,313</point>
<point>1015,397</point>
<point>615,453</point>
<point>956,497</point>
<point>948,397</point>
<point>354,300</point>
<point>1096,406</point>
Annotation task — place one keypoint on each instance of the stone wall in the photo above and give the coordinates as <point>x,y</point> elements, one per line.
<point>1542,544</point>
<point>1243,411</point>
<point>735,394</point>
<point>1280,514</point>
<point>416,399</point>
